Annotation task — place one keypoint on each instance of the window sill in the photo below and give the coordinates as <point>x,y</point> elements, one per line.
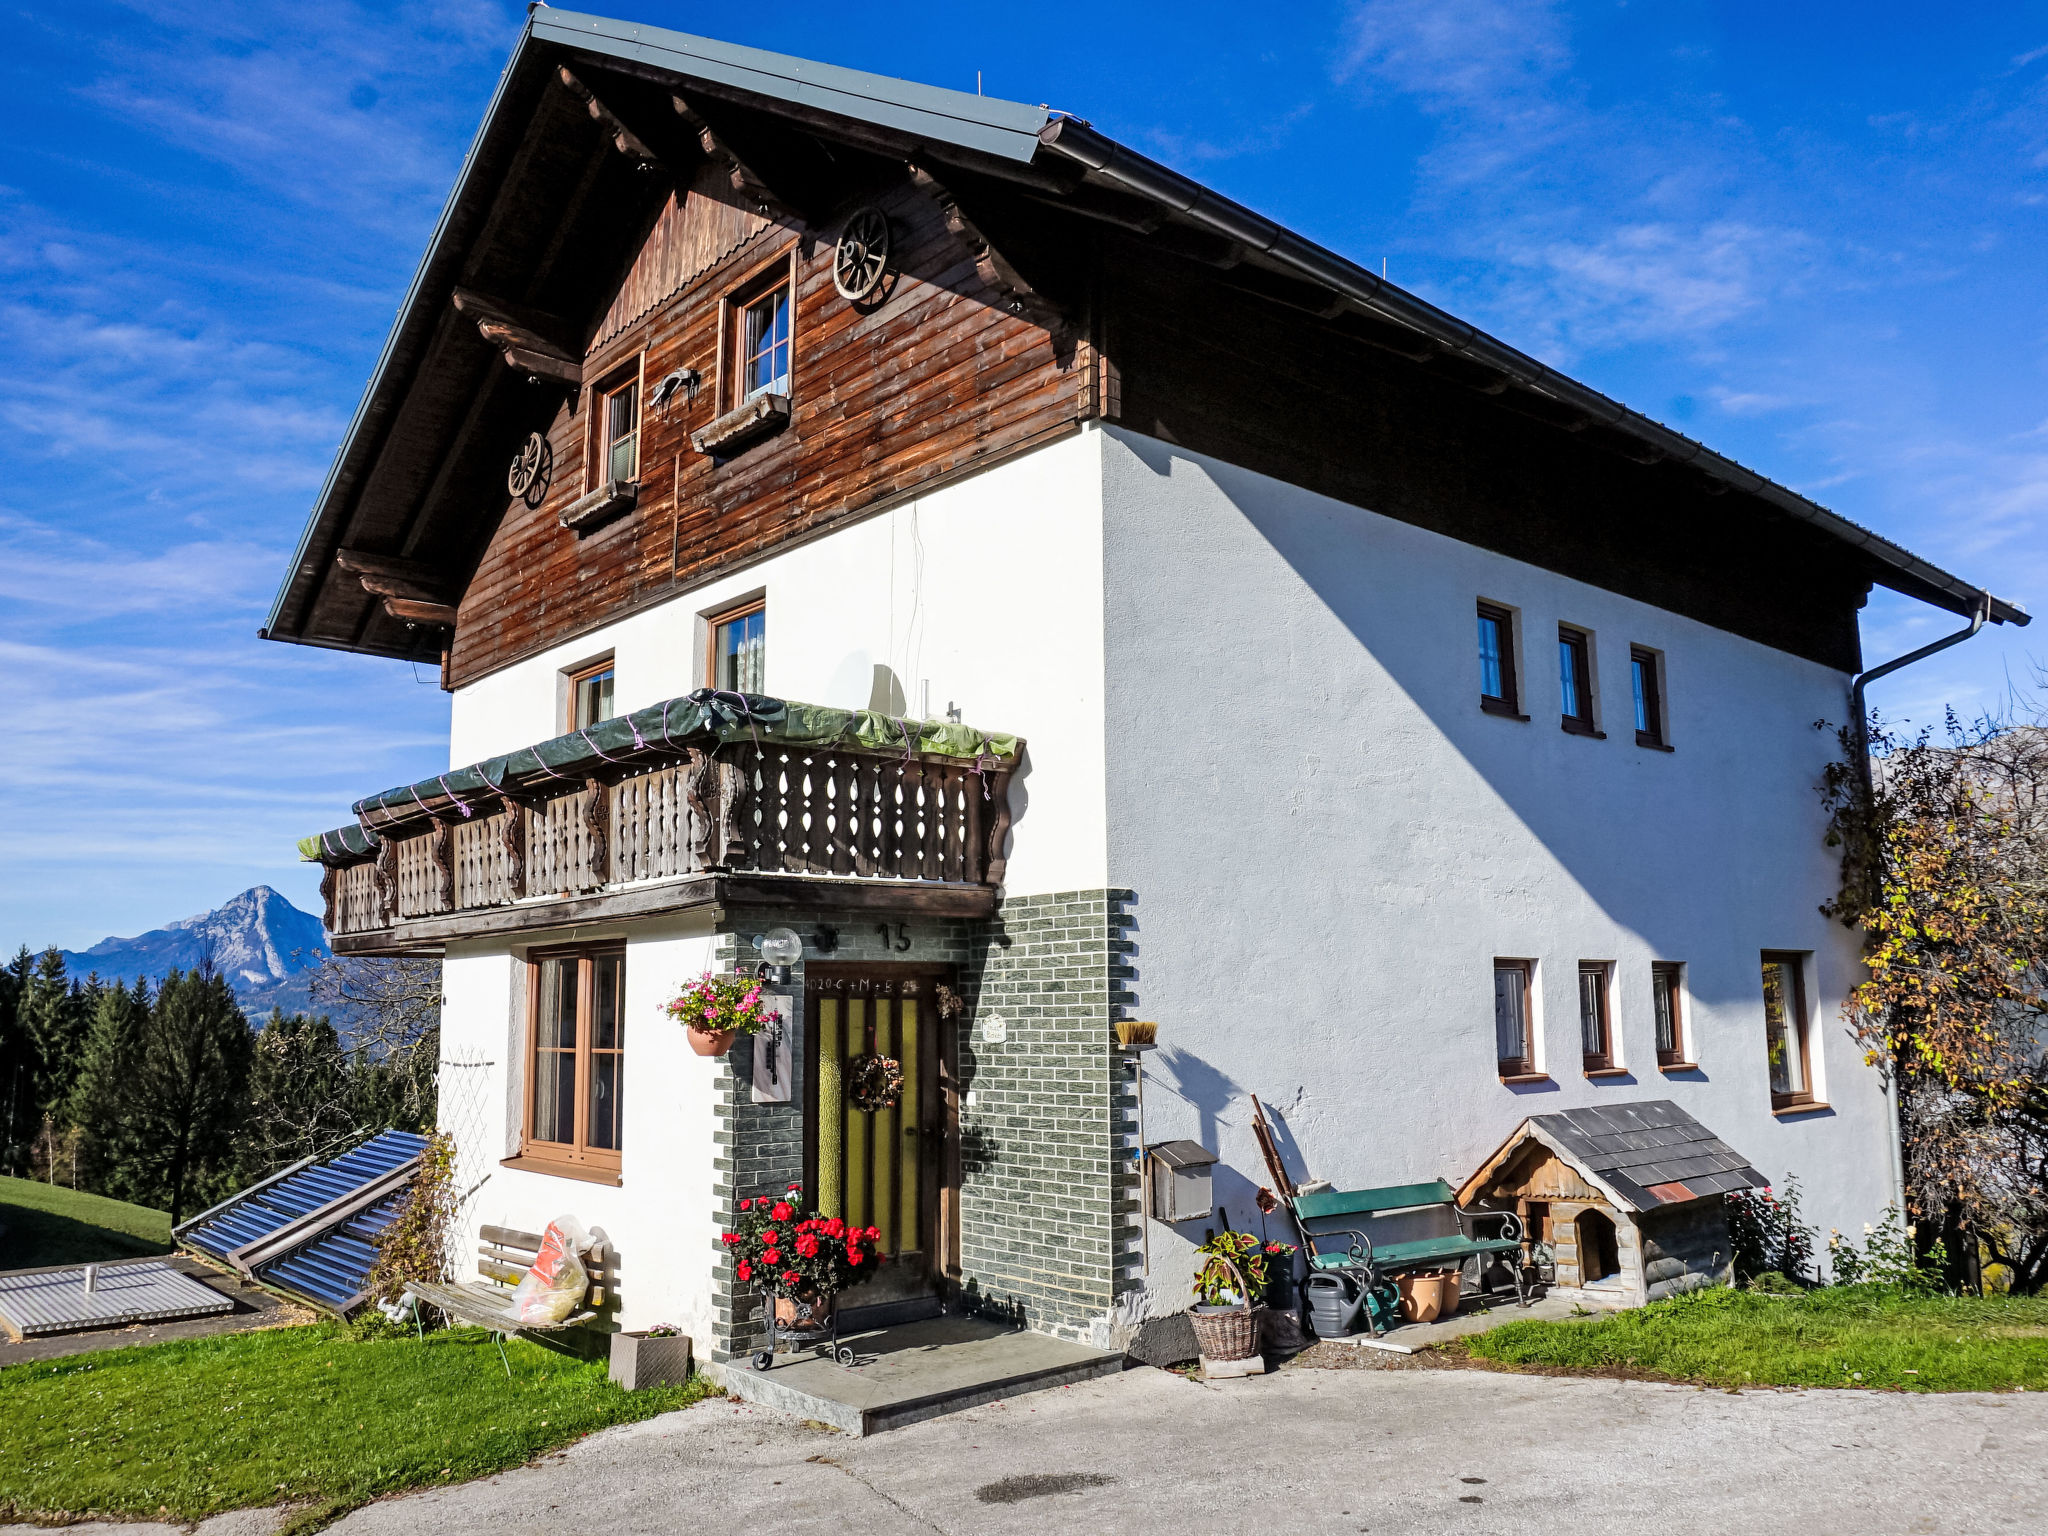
<point>1607,1072</point>
<point>739,428</point>
<point>1645,739</point>
<point>1584,728</point>
<point>1805,1107</point>
<point>581,1171</point>
<point>1678,1066</point>
<point>1502,708</point>
<point>1525,1077</point>
<point>588,513</point>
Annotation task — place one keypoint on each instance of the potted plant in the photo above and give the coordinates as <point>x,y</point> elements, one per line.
<point>1229,1283</point>
<point>716,1009</point>
<point>799,1258</point>
<point>655,1357</point>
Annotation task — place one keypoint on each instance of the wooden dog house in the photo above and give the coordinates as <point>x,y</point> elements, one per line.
<point>1628,1197</point>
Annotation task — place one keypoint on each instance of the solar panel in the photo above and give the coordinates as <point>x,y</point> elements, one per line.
<point>303,1248</point>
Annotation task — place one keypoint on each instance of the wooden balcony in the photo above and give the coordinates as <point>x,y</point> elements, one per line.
<point>740,823</point>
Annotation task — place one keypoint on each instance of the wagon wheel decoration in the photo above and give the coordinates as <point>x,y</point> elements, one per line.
<point>532,468</point>
<point>874,1082</point>
<point>862,256</point>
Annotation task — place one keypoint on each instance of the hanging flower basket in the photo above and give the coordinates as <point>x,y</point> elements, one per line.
<point>874,1082</point>
<point>716,1010</point>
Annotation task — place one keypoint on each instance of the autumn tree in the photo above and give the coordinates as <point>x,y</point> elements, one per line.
<point>1945,870</point>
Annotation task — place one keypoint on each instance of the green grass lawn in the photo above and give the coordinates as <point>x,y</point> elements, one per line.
<point>309,1414</point>
<point>49,1224</point>
<point>1849,1336</point>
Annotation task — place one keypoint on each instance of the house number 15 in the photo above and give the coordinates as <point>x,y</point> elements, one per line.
<point>897,938</point>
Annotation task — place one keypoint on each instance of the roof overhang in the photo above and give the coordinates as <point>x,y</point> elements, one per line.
<point>1057,159</point>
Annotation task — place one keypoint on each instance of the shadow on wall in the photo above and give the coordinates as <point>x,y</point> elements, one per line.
<point>1221,1105</point>
<point>1295,688</point>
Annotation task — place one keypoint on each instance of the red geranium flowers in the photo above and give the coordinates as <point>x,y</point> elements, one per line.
<point>790,1251</point>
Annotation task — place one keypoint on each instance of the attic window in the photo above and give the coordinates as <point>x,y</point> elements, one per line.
<point>764,344</point>
<point>622,431</point>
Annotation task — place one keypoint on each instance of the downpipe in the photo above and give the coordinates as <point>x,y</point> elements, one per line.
<point>1860,738</point>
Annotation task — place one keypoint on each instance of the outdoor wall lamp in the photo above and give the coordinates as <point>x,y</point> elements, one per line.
<point>780,949</point>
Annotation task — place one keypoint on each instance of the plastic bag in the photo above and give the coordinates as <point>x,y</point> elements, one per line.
<point>554,1287</point>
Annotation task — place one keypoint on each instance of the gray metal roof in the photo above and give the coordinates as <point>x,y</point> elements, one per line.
<point>1029,141</point>
<point>1649,1154</point>
<point>38,1302</point>
<point>985,123</point>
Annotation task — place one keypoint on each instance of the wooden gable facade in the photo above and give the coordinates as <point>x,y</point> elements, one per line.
<point>940,373</point>
<point>630,184</point>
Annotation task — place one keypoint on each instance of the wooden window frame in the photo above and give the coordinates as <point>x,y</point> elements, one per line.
<point>713,622</point>
<point>1801,1028</point>
<point>1649,665</point>
<point>1508,701</point>
<point>1580,643</point>
<point>1521,1069</point>
<point>1679,1057</point>
<point>579,675</point>
<point>598,449</point>
<point>577,1159</point>
<point>1603,1062</point>
<point>780,271</point>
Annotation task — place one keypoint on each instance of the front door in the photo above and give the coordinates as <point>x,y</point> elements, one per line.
<point>878,1137</point>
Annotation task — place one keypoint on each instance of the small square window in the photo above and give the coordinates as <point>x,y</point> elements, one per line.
<point>1667,999</point>
<point>1575,680</point>
<point>590,695</point>
<point>739,650</point>
<point>1648,688</point>
<point>1596,1029</point>
<point>1497,692</point>
<point>1513,1034</point>
<point>764,344</point>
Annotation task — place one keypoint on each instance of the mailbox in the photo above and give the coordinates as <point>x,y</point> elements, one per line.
<point>1182,1189</point>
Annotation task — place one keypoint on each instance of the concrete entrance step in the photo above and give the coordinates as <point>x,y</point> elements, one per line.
<point>915,1371</point>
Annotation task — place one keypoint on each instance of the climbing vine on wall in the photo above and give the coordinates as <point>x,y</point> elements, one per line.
<point>415,1246</point>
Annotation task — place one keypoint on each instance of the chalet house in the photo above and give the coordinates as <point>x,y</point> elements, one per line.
<point>1121,608</point>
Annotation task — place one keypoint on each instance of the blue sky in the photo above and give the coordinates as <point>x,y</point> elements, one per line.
<point>1811,235</point>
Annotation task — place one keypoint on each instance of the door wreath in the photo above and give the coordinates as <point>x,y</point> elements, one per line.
<point>874,1082</point>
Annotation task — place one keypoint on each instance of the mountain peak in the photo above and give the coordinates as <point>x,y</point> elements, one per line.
<point>257,939</point>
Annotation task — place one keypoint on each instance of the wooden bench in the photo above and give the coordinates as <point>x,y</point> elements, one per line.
<point>1443,1235</point>
<point>503,1258</point>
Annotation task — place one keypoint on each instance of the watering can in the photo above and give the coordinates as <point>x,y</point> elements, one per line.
<point>1339,1299</point>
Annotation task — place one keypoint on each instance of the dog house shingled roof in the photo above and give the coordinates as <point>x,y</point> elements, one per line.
<point>1644,1155</point>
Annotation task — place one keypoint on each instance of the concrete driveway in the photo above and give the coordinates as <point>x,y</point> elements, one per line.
<point>1301,1450</point>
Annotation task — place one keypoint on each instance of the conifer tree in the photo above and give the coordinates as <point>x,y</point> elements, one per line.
<point>113,1042</point>
<point>186,1096</point>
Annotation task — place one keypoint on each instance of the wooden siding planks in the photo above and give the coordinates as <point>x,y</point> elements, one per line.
<point>941,376</point>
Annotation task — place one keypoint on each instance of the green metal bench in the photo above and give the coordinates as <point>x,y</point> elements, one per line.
<point>1332,1213</point>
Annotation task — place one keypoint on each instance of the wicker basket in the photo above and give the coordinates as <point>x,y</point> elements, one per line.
<point>1228,1333</point>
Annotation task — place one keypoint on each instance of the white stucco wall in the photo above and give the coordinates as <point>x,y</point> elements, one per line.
<point>989,593</point>
<point>660,1225</point>
<point>986,594</point>
<point>1330,843</point>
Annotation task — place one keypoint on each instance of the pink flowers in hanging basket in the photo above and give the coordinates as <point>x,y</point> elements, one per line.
<point>728,1005</point>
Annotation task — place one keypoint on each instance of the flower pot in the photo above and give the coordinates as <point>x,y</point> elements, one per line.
<point>802,1313</point>
<point>639,1362</point>
<point>1226,1333</point>
<point>711,1042</point>
<point>1427,1295</point>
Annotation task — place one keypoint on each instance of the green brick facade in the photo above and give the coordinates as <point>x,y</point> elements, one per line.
<point>1049,1184</point>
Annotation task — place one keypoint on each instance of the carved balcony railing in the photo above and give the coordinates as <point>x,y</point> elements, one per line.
<point>837,812</point>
